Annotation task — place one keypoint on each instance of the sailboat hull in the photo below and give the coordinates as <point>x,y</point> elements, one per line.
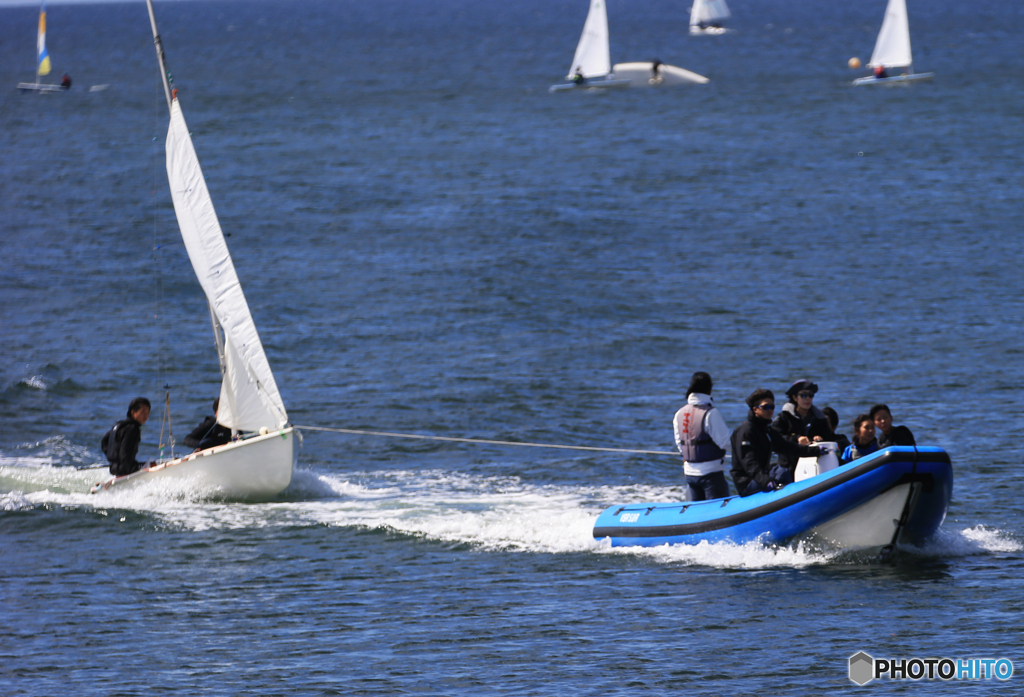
<point>256,468</point>
<point>39,87</point>
<point>893,81</point>
<point>598,83</point>
<point>640,75</point>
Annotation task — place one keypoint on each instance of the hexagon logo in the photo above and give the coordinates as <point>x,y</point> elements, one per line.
<point>862,668</point>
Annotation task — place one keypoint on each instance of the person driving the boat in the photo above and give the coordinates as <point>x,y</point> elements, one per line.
<point>800,421</point>
<point>121,443</point>
<point>703,439</point>
<point>753,444</point>
<point>880,73</point>
<point>864,442</point>
<point>890,435</point>
<point>577,77</point>
<point>209,433</point>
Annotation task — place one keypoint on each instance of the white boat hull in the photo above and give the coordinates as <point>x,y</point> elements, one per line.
<point>39,87</point>
<point>708,31</point>
<point>255,468</point>
<point>872,524</point>
<point>600,83</point>
<point>640,75</point>
<point>893,81</point>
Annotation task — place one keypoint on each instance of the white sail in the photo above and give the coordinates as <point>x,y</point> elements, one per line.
<point>593,57</point>
<point>892,49</point>
<point>707,12</point>
<point>249,398</point>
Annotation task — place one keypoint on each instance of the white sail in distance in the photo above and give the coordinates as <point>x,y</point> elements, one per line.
<point>892,49</point>
<point>706,12</point>
<point>249,398</point>
<point>593,57</point>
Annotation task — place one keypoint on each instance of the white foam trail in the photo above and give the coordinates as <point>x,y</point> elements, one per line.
<point>496,513</point>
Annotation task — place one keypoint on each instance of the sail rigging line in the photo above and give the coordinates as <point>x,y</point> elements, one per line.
<point>482,441</point>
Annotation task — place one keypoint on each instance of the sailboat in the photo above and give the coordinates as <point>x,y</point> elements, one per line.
<point>591,65</point>
<point>42,60</point>
<point>706,17</point>
<point>892,49</point>
<point>260,462</point>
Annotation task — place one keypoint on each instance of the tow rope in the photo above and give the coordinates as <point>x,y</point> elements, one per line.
<point>480,441</point>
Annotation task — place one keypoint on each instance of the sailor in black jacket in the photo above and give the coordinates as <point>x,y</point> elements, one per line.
<point>753,444</point>
<point>121,443</point>
<point>209,433</point>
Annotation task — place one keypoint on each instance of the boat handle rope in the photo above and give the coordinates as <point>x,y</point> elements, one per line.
<point>480,441</point>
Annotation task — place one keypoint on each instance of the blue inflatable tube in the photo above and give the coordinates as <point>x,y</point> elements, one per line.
<point>896,495</point>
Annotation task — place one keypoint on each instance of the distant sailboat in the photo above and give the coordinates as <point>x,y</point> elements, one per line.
<point>706,17</point>
<point>42,61</point>
<point>892,49</point>
<point>260,463</point>
<point>591,65</point>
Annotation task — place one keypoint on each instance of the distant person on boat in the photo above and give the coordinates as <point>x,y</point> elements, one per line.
<point>656,70</point>
<point>800,421</point>
<point>65,81</point>
<point>880,73</point>
<point>890,435</point>
<point>703,439</point>
<point>753,444</point>
<point>209,434</point>
<point>121,443</point>
<point>864,442</point>
<point>577,77</point>
<point>839,439</point>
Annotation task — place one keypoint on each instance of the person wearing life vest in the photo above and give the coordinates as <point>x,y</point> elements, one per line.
<point>864,442</point>
<point>121,443</point>
<point>702,438</point>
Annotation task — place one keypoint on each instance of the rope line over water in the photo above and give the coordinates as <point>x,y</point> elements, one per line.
<point>480,441</point>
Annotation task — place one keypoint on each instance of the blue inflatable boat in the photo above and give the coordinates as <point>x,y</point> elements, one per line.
<point>898,495</point>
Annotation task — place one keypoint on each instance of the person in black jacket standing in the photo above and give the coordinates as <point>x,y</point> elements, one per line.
<point>121,443</point>
<point>753,444</point>
<point>209,433</point>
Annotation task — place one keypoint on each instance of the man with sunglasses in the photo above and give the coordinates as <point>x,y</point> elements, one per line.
<point>800,421</point>
<point>753,444</point>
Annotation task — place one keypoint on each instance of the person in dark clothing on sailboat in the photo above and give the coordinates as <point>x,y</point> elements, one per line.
<point>889,434</point>
<point>880,73</point>
<point>121,443</point>
<point>209,433</point>
<point>753,444</point>
<point>65,81</point>
<point>577,77</point>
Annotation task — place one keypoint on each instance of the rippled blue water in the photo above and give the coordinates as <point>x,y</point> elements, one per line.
<point>431,243</point>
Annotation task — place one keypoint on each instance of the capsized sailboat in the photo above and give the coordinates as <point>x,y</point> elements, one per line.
<point>591,65</point>
<point>898,495</point>
<point>260,463</point>
<point>707,17</point>
<point>42,61</point>
<point>892,49</point>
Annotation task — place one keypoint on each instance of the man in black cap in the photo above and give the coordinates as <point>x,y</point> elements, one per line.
<point>753,444</point>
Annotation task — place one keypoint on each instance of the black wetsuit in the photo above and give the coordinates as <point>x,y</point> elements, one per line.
<point>899,435</point>
<point>127,435</point>
<point>208,434</point>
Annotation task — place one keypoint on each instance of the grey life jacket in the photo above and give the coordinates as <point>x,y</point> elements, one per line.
<point>696,444</point>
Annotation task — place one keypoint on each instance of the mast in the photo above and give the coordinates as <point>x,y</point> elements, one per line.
<point>160,57</point>
<point>167,79</point>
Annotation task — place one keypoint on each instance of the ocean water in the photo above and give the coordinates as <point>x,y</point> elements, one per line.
<point>432,243</point>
